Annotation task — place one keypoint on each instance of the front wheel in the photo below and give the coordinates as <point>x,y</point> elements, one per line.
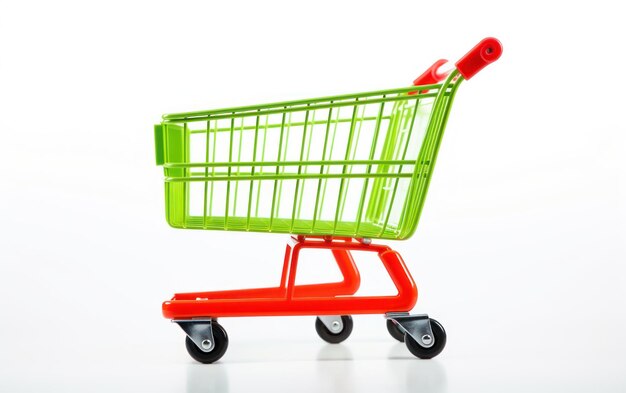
<point>219,347</point>
<point>428,353</point>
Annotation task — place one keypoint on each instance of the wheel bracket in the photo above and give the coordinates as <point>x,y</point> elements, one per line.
<point>200,331</point>
<point>416,326</point>
<point>333,323</point>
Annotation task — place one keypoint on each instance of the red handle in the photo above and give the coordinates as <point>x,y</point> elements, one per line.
<point>431,76</point>
<point>486,52</point>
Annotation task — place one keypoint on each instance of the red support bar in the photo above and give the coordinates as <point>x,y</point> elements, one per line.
<point>283,277</point>
<point>314,299</point>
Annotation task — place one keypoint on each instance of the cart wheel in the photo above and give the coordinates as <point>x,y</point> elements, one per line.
<point>395,332</point>
<point>219,348</point>
<point>331,337</point>
<point>428,353</point>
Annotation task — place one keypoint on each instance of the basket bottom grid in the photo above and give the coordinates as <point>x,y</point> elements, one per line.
<point>283,225</point>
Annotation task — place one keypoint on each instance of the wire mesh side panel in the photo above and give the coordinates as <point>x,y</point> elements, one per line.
<point>342,167</point>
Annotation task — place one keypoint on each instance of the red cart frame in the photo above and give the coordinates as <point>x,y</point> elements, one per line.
<point>311,299</point>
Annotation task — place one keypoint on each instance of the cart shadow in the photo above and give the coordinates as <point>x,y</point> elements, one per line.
<point>336,371</point>
<point>418,375</point>
<point>334,352</point>
<point>207,378</point>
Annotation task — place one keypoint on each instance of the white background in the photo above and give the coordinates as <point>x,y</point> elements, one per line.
<point>520,250</point>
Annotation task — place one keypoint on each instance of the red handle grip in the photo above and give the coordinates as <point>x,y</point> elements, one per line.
<point>486,52</point>
<point>431,76</point>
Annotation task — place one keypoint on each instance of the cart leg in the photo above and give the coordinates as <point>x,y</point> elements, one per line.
<point>285,273</point>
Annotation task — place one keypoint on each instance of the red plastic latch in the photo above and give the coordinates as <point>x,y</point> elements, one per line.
<point>486,52</point>
<point>431,76</point>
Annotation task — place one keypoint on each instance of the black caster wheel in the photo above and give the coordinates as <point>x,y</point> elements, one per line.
<point>428,353</point>
<point>219,348</point>
<point>334,337</point>
<point>394,331</point>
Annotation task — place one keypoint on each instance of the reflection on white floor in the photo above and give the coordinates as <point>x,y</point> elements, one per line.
<point>308,366</point>
<point>333,369</point>
<point>388,367</point>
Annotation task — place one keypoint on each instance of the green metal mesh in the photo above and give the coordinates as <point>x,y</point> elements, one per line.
<point>352,165</point>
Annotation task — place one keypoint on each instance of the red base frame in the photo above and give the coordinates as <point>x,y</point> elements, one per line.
<point>313,299</point>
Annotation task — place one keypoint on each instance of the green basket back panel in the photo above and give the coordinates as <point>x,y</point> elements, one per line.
<point>342,167</point>
<point>176,146</point>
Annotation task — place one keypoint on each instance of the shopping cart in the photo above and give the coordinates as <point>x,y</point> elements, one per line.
<point>334,172</point>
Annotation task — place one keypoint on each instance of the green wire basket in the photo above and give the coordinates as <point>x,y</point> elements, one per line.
<point>355,165</point>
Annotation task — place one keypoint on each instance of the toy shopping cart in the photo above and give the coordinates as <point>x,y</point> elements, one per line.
<point>334,173</point>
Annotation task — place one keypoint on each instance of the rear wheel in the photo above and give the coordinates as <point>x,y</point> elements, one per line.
<point>395,331</point>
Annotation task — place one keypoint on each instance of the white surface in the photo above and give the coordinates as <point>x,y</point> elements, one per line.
<point>309,366</point>
<point>520,250</point>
